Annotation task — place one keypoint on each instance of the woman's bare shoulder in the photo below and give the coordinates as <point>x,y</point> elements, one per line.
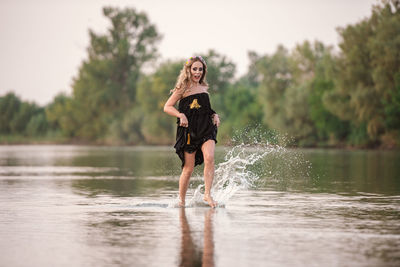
<point>178,91</point>
<point>205,88</point>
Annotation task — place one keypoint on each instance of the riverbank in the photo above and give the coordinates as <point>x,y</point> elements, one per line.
<point>57,140</point>
<point>37,140</point>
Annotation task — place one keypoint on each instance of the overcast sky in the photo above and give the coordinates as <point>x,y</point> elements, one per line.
<point>43,42</point>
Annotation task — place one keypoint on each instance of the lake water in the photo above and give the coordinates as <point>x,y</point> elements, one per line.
<point>115,206</point>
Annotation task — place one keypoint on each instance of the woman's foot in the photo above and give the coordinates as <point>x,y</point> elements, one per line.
<point>181,203</point>
<point>207,198</point>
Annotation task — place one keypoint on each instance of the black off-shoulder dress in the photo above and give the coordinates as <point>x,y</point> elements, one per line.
<point>198,111</point>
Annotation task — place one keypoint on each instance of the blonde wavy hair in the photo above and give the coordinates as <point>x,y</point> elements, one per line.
<point>185,77</point>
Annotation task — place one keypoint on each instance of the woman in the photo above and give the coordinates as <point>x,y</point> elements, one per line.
<point>197,125</point>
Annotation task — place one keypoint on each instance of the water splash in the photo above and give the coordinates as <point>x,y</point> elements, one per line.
<point>234,173</point>
<point>257,157</point>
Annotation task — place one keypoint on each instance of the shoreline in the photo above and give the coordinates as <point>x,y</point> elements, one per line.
<point>60,141</point>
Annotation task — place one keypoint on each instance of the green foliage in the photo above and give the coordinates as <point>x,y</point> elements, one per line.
<point>9,107</point>
<point>326,124</point>
<point>106,85</point>
<point>328,127</point>
<point>275,78</point>
<point>392,107</point>
<point>358,135</point>
<point>153,91</point>
<point>21,118</point>
<point>311,93</point>
<point>220,73</point>
<point>61,115</point>
<point>37,125</point>
<point>128,128</point>
<point>317,97</point>
<point>242,109</point>
<point>242,106</point>
<point>292,88</point>
<point>369,61</point>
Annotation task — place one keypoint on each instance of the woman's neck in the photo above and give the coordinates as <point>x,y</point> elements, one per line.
<point>194,89</point>
<point>194,84</point>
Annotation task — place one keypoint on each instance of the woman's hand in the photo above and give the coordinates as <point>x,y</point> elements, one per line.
<point>183,121</point>
<point>215,119</point>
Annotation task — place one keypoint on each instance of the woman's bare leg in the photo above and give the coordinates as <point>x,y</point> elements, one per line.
<point>185,176</point>
<point>208,152</point>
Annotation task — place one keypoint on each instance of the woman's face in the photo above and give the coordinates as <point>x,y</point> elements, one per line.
<point>196,71</point>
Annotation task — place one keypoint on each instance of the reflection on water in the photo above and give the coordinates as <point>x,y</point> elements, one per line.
<point>191,254</point>
<point>356,171</point>
<point>109,206</point>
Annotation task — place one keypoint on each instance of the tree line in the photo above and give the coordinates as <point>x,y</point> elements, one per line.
<point>313,93</point>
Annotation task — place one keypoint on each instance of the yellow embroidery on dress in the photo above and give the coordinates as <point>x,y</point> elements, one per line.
<point>195,104</point>
<point>188,141</point>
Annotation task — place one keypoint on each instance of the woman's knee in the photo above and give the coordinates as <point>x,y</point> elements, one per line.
<point>188,169</point>
<point>209,159</point>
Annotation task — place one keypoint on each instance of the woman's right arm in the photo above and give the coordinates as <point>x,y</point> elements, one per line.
<point>171,110</point>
